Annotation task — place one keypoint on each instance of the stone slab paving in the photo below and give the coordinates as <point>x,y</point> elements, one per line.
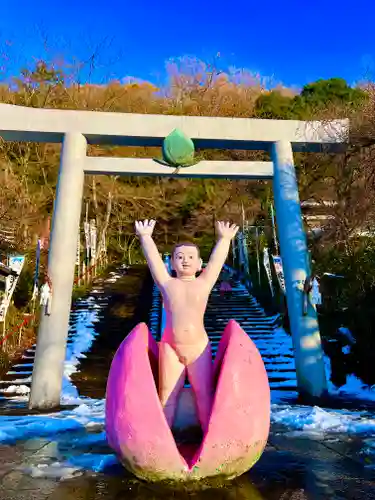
<point>290,468</point>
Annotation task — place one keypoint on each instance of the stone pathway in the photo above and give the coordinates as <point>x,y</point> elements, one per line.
<point>292,466</point>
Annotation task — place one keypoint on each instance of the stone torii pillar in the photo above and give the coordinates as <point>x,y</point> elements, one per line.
<point>53,330</point>
<point>308,351</point>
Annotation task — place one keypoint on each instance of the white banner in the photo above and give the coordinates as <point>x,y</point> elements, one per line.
<point>86,229</point>
<point>93,240</point>
<point>278,263</point>
<point>16,263</point>
<point>267,265</point>
<point>104,246</point>
<point>78,257</point>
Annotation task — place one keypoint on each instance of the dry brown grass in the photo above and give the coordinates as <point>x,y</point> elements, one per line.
<point>193,88</point>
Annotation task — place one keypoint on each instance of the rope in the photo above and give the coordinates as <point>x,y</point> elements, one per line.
<point>17,328</point>
<point>83,274</point>
<point>49,281</point>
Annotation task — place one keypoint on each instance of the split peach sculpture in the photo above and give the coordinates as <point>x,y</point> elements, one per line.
<point>146,400</point>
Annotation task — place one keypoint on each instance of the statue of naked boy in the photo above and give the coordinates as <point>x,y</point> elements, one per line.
<point>184,348</point>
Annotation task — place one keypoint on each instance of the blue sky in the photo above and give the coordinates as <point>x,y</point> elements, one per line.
<point>291,41</point>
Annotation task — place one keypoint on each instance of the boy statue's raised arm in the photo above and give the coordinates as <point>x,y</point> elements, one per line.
<point>155,263</point>
<point>226,232</point>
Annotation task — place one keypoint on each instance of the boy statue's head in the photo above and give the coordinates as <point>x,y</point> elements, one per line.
<point>186,261</point>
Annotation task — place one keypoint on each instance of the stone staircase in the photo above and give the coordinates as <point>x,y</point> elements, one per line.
<point>274,344</point>
<point>16,383</point>
<point>117,307</point>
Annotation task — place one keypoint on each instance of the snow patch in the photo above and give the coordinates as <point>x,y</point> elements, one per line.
<point>55,470</point>
<point>81,342</point>
<point>17,389</point>
<point>81,430</point>
<point>87,416</point>
<point>353,389</point>
<point>345,332</point>
<point>94,461</point>
<point>321,421</point>
<point>14,429</point>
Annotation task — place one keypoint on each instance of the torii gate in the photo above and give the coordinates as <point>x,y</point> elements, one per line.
<point>77,129</point>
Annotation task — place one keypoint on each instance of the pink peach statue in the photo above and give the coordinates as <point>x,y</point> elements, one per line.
<point>147,405</point>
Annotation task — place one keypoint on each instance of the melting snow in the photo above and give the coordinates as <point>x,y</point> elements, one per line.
<point>345,332</point>
<point>319,421</point>
<point>54,470</point>
<point>354,388</point>
<point>81,431</point>
<point>17,389</point>
<point>82,341</point>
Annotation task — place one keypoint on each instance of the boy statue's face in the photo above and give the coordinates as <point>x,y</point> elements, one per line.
<point>186,261</point>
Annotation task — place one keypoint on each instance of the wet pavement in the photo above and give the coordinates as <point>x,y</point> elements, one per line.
<point>290,468</point>
<point>75,463</point>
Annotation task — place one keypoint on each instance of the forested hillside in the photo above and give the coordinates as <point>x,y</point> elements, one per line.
<point>188,208</point>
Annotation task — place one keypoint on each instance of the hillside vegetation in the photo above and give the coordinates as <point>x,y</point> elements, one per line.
<point>187,209</point>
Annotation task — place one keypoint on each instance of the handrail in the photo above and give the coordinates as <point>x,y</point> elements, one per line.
<point>17,328</point>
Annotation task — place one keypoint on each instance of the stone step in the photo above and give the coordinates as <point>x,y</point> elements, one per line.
<point>286,385</point>
<point>224,305</point>
<point>272,359</point>
<point>19,372</point>
<point>274,344</point>
<point>17,381</point>
<point>278,375</point>
<point>242,318</point>
<point>241,314</point>
<point>218,329</point>
<point>288,372</point>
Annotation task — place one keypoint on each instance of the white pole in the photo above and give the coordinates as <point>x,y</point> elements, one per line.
<point>53,330</point>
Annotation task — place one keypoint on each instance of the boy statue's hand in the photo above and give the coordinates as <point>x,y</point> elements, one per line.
<point>226,230</point>
<point>144,228</point>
